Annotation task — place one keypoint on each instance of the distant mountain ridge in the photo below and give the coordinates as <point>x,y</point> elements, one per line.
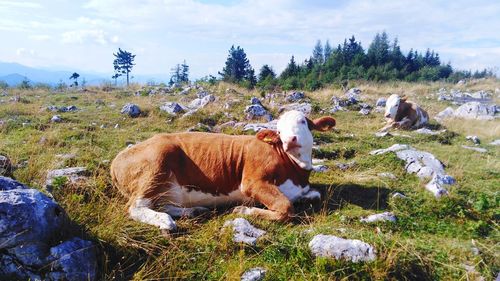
<point>13,74</point>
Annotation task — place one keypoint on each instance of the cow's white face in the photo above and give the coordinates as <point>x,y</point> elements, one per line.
<point>391,106</point>
<point>296,137</point>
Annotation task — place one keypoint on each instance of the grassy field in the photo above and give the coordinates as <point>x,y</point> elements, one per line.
<point>433,239</point>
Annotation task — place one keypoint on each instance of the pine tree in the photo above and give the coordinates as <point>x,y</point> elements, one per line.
<point>184,72</point>
<point>265,72</point>
<point>237,65</point>
<point>75,77</point>
<point>327,50</point>
<point>124,62</point>
<point>318,54</point>
<point>291,69</point>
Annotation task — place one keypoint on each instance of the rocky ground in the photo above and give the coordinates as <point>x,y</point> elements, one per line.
<point>420,205</point>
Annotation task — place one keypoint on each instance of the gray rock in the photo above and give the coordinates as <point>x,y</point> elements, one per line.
<point>70,108</point>
<point>255,110</point>
<point>131,110</point>
<point>478,149</point>
<point>172,108</point>
<point>320,168</point>
<point>73,175</point>
<point>244,232</point>
<point>305,107</point>
<point>52,108</point>
<point>364,111</point>
<point>74,259</point>
<point>260,126</point>
<point>386,216</point>
<point>447,113</point>
<point>338,248</point>
<point>295,97</point>
<point>30,253</point>
<point>495,142</point>
<point>201,102</point>
<point>475,110</point>
<point>461,82</point>
<point>473,139</point>
<point>28,216</point>
<point>423,164</point>
<point>254,274</point>
<point>381,102</point>
<point>399,195</point>
<point>10,270</point>
<point>336,108</point>
<point>56,119</point>
<point>345,166</point>
<point>382,134</point>
<point>255,100</point>
<point>5,166</point>
<point>185,91</point>
<point>426,131</point>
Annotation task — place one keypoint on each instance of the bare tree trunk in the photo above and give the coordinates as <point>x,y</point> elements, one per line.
<point>127,78</point>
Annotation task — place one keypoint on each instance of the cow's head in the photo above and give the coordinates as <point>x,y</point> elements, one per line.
<point>392,105</point>
<point>294,131</point>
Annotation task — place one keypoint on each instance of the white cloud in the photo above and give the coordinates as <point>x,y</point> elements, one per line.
<point>40,37</point>
<point>84,36</point>
<point>25,52</point>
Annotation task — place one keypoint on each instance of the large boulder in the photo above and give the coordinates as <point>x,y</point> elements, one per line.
<point>476,110</point>
<point>339,248</point>
<point>131,110</point>
<point>424,165</point>
<point>256,110</point>
<point>201,102</point>
<point>29,223</point>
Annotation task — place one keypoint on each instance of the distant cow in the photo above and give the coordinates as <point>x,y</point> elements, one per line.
<point>403,114</point>
<point>181,174</point>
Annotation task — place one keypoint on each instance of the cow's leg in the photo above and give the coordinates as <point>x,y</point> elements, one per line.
<point>178,212</point>
<point>391,124</point>
<point>279,206</point>
<point>405,124</point>
<point>141,211</point>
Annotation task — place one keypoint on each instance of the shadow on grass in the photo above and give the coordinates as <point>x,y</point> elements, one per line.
<point>367,197</point>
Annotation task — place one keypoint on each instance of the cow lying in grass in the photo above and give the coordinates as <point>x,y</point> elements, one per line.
<point>403,114</point>
<point>183,174</point>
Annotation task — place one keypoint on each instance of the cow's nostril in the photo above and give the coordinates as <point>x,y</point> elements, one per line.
<point>294,139</point>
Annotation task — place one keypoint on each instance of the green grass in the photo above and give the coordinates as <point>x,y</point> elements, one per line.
<point>431,240</point>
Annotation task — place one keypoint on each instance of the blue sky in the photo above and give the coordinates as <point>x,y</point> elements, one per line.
<point>78,34</point>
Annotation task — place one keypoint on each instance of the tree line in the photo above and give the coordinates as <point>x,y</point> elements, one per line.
<point>382,61</point>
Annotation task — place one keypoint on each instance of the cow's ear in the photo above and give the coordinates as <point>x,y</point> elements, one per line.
<point>322,124</point>
<point>404,98</point>
<point>268,136</point>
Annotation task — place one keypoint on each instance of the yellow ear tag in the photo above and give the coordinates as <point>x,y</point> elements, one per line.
<point>267,139</point>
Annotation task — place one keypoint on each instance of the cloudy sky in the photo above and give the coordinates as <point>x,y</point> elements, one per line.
<point>79,34</point>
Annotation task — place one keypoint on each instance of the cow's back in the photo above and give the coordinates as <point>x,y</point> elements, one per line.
<point>200,162</point>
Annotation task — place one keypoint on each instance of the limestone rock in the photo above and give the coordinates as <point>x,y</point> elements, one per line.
<point>244,232</point>
<point>339,248</point>
<point>386,216</point>
<point>254,274</point>
<point>73,175</point>
<point>131,110</point>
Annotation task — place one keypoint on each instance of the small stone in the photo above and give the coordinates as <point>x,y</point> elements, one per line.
<point>305,108</point>
<point>255,110</point>
<point>386,216</point>
<point>5,166</point>
<point>426,131</point>
<point>345,166</point>
<point>295,96</point>
<point>56,119</point>
<point>478,149</point>
<point>255,100</point>
<point>320,168</point>
<point>244,232</point>
<point>474,139</point>
<point>364,111</point>
<point>73,175</point>
<point>254,274</point>
<point>338,248</point>
<point>495,142</point>
<point>382,134</point>
<point>387,175</point>
<point>399,195</point>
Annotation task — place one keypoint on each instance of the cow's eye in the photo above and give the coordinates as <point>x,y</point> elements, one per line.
<point>278,132</point>
<point>303,121</point>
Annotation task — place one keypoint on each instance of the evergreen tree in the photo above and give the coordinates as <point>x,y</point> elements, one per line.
<point>318,54</point>
<point>291,69</point>
<point>327,50</point>
<point>378,52</point>
<point>265,72</point>
<point>75,77</point>
<point>237,66</point>
<point>184,72</point>
<point>124,62</point>
<point>176,72</point>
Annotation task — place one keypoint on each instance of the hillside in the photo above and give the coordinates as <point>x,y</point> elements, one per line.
<point>455,237</point>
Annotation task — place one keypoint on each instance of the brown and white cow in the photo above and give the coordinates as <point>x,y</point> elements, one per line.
<point>403,114</point>
<point>182,174</point>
